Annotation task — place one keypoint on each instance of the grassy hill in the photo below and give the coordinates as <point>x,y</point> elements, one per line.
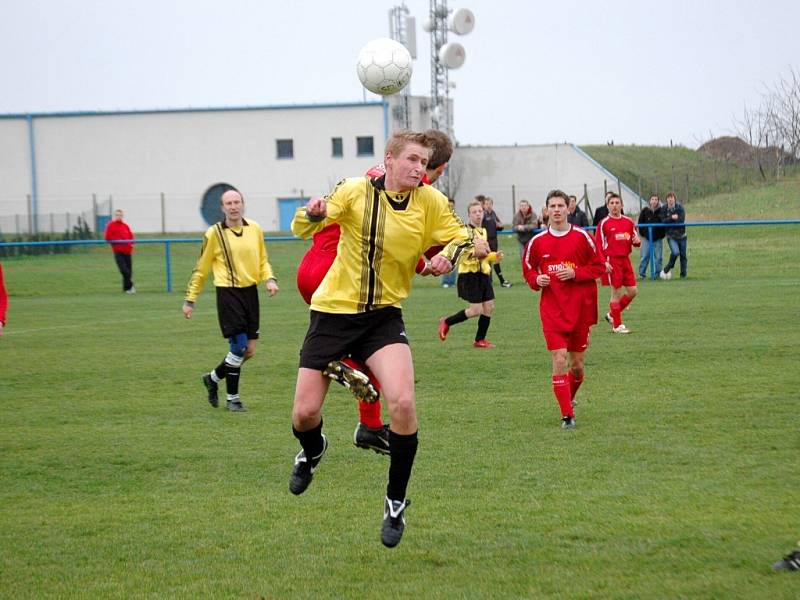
<point>691,174</point>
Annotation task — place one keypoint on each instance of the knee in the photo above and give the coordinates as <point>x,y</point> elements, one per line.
<point>249,353</point>
<point>577,370</point>
<point>488,308</point>
<point>403,407</point>
<point>305,415</point>
<point>560,363</point>
<point>632,292</point>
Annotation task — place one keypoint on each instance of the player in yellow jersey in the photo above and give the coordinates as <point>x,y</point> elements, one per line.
<point>386,224</point>
<point>475,285</point>
<point>234,249</point>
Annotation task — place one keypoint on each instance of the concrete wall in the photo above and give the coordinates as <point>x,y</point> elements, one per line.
<point>511,173</point>
<point>15,173</point>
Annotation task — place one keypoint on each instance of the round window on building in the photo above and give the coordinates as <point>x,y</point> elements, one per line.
<point>212,213</point>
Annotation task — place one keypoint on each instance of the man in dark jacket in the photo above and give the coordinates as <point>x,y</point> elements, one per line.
<point>675,216</point>
<point>652,213</point>
<point>576,216</point>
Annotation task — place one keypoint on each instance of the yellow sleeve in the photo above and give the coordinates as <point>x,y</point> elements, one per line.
<point>449,231</point>
<point>202,268</point>
<point>335,204</point>
<point>264,268</point>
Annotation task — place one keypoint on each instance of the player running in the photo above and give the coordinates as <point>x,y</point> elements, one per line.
<point>562,262</point>
<point>615,236</point>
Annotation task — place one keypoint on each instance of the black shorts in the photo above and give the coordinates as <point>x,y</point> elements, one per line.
<point>238,311</point>
<point>331,336</point>
<point>492,244</point>
<point>475,287</point>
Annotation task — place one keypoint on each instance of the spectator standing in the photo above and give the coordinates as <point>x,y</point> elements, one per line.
<point>675,216</point>
<point>3,301</point>
<point>234,249</point>
<point>544,217</point>
<point>562,262</point>
<point>492,224</point>
<point>524,223</point>
<point>576,216</point>
<point>116,230</point>
<point>652,213</point>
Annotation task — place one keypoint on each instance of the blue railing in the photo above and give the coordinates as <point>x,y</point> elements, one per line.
<point>169,241</point>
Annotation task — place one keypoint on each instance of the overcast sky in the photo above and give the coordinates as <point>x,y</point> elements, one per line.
<point>643,72</point>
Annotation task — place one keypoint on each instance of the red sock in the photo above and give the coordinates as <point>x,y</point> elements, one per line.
<point>616,313</point>
<point>369,413</point>
<point>574,384</point>
<point>624,301</point>
<point>561,391</point>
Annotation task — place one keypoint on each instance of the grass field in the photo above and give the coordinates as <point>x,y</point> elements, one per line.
<point>680,481</point>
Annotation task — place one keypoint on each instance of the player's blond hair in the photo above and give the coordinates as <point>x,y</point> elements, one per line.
<point>402,138</point>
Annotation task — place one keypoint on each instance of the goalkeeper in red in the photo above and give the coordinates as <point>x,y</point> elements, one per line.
<point>615,236</point>
<point>562,262</point>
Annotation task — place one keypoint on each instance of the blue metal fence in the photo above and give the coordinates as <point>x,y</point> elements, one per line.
<point>167,242</point>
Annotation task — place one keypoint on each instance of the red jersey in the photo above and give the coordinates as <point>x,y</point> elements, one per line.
<point>614,236</point>
<point>564,305</point>
<point>119,230</point>
<point>3,298</point>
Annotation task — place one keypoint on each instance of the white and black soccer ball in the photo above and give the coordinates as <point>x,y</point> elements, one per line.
<point>384,66</point>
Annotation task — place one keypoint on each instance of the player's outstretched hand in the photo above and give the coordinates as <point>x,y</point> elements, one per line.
<point>272,287</point>
<point>188,309</point>
<point>500,255</point>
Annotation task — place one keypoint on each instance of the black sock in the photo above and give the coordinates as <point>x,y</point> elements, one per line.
<point>221,370</point>
<point>483,327</point>
<point>310,440</point>
<point>459,317</point>
<point>499,273</point>
<point>402,449</point>
<point>232,381</point>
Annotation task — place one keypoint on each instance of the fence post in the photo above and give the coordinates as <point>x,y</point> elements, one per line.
<point>16,224</point>
<point>686,195</point>
<point>513,199</point>
<point>673,171</point>
<point>52,223</point>
<point>168,266</point>
<point>586,200</point>
<point>163,216</point>
<point>94,213</point>
<point>30,216</point>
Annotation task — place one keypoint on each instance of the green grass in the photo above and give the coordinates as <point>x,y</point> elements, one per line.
<point>680,481</point>
<point>690,174</point>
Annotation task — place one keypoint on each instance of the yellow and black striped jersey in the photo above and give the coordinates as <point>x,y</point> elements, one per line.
<point>237,256</point>
<point>470,264</point>
<point>383,234</point>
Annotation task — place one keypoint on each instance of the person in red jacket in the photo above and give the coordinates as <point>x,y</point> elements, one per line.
<point>615,236</point>
<point>117,230</point>
<point>3,301</point>
<point>562,262</point>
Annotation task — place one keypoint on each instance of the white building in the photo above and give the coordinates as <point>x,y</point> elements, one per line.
<point>157,165</point>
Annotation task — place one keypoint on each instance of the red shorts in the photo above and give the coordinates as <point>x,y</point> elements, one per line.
<point>312,271</point>
<point>621,272</point>
<point>576,340</point>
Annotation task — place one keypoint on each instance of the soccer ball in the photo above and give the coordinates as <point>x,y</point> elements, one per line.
<point>384,66</point>
<point>665,276</point>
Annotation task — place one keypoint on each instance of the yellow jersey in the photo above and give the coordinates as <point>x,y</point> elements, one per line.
<point>470,264</point>
<point>383,234</point>
<point>237,256</point>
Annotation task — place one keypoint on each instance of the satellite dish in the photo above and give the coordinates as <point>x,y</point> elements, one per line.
<point>427,26</point>
<point>462,22</point>
<point>452,55</point>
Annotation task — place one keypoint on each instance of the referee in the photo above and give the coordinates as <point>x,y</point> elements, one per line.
<point>234,249</point>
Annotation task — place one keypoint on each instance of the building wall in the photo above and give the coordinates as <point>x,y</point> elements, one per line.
<point>133,158</point>
<point>15,173</point>
<point>511,173</point>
